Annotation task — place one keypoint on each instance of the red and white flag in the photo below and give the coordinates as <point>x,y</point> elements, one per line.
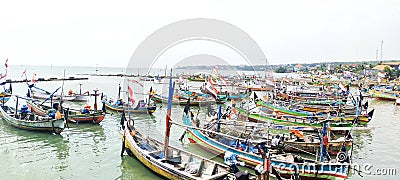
<point>210,89</point>
<point>269,82</point>
<point>33,78</point>
<point>134,81</point>
<point>6,63</point>
<point>130,91</point>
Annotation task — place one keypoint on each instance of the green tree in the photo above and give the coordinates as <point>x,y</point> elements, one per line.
<point>280,70</point>
<point>388,71</point>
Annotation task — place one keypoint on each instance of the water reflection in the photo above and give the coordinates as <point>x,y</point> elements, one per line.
<point>139,172</point>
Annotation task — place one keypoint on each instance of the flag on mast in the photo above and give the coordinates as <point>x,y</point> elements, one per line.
<point>210,89</point>
<point>130,91</point>
<point>6,63</point>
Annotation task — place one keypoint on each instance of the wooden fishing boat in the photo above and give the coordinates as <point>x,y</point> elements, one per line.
<point>29,121</point>
<point>285,120</point>
<point>84,115</point>
<point>4,97</point>
<point>118,106</point>
<point>179,101</point>
<point>363,119</point>
<point>287,164</point>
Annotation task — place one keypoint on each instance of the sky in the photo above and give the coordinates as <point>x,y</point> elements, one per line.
<point>106,33</point>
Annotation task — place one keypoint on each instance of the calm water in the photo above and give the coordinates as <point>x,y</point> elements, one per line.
<point>88,151</point>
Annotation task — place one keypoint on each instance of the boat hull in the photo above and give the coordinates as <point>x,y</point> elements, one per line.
<point>51,125</point>
<point>73,116</point>
<point>147,110</point>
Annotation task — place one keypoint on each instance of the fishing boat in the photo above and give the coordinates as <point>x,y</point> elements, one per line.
<point>119,105</point>
<point>387,96</point>
<point>286,164</point>
<point>168,161</point>
<point>6,94</point>
<point>40,93</point>
<point>198,77</point>
<point>363,119</point>
<point>77,97</point>
<point>29,121</point>
<point>85,115</point>
<point>181,101</point>
<point>294,141</point>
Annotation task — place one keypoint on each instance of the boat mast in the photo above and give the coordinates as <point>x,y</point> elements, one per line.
<point>168,116</point>
<point>80,88</point>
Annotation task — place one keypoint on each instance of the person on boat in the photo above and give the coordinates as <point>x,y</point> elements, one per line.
<point>119,102</point>
<point>85,109</point>
<point>24,111</point>
<point>70,92</point>
<point>325,147</point>
<point>230,159</point>
<point>275,141</point>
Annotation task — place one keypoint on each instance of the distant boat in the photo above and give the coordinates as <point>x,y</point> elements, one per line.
<point>119,106</point>
<point>39,93</point>
<point>196,102</point>
<point>286,164</point>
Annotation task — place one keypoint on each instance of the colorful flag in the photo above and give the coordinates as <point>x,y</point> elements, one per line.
<point>33,78</point>
<point>269,82</point>
<point>134,81</point>
<point>210,89</point>
<point>23,73</point>
<point>130,91</point>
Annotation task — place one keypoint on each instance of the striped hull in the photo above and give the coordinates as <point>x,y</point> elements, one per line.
<point>169,171</point>
<point>148,110</point>
<point>363,120</point>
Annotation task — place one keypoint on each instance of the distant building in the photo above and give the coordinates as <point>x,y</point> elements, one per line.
<point>394,65</point>
<point>298,67</point>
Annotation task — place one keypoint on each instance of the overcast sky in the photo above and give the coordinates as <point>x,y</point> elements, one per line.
<point>106,33</point>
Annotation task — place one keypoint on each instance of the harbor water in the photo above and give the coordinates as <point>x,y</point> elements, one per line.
<point>86,151</point>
